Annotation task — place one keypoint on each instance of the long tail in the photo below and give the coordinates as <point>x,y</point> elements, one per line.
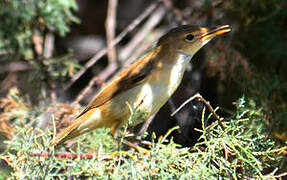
<point>68,133</point>
<point>86,122</point>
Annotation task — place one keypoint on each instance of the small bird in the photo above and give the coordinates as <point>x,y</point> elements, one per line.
<point>145,86</point>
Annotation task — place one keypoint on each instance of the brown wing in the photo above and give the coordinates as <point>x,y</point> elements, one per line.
<point>127,79</point>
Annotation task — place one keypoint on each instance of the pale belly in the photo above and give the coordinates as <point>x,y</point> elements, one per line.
<point>129,108</point>
<point>138,103</point>
<point>144,100</point>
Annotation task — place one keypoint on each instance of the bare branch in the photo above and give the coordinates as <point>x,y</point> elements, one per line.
<point>38,42</point>
<point>198,96</point>
<point>15,66</point>
<point>145,125</point>
<point>153,21</point>
<point>84,92</point>
<point>101,53</point>
<point>110,30</point>
<point>49,45</point>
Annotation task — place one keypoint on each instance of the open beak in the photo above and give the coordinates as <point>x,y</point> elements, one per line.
<point>208,34</point>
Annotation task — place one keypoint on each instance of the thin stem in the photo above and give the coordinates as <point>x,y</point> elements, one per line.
<point>198,96</point>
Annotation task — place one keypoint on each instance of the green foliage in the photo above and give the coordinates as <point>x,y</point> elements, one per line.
<point>241,150</point>
<point>270,92</point>
<point>255,62</point>
<point>261,35</point>
<point>20,20</point>
<point>26,144</point>
<point>55,69</point>
<point>16,108</point>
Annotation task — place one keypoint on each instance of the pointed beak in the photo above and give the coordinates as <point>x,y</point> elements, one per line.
<point>207,34</point>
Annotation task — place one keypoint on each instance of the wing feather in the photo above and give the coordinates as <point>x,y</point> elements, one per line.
<point>127,79</point>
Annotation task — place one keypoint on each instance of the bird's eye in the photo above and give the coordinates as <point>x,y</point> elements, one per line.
<point>189,37</point>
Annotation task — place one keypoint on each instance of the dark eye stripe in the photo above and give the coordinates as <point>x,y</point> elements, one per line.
<point>189,37</point>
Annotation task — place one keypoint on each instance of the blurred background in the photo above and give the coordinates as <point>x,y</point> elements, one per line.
<point>54,58</point>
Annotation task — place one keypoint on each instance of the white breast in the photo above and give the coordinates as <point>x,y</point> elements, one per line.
<point>149,97</point>
<point>177,71</point>
<point>154,95</point>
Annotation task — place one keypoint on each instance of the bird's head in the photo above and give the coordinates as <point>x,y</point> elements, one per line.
<point>188,39</point>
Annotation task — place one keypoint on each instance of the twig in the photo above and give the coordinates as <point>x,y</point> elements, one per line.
<point>38,42</point>
<point>138,51</point>
<point>84,92</point>
<point>48,45</point>
<point>72,156</point>
<point>172,106</point>
<point>153,21</point>
<point>198,96</point>
<point>176,16</point>
<point>14,67</point>
<point>145,125</point>
<point>101,53</point>
<point>107,72</point>
<point>172,19</point>
<point>110,30</point>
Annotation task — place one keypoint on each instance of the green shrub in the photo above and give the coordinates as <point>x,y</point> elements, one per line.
<point>241,150</point>
<point>21,21</point>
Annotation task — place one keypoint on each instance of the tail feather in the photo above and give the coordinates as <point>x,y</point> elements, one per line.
<point>69,133</point>
<point>84,123</point>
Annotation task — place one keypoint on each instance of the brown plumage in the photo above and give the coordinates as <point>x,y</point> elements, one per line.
<point>145,85</point>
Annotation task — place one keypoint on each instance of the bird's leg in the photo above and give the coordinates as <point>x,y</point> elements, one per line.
<point>126,142</point>
<point>114,134</point>
<point>144,127</point>
<point>136,139</point>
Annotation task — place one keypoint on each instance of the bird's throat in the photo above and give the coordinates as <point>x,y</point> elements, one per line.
<point>176,72</point>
